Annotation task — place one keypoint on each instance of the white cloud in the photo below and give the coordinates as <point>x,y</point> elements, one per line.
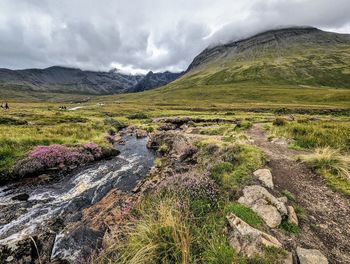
<point>138,36</point>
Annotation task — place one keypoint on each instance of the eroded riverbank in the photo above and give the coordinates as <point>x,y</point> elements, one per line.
<point>52,207</point>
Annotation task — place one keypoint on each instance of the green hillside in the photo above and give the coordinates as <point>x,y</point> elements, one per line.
<point>294,67</point>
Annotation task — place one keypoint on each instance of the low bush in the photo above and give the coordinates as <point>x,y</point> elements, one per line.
<point>279,122</point>
<point>12,121</point>
<point>116,124</point>
<point>138,116</point>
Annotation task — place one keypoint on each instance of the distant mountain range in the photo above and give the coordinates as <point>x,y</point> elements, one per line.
<point>58,79</point>
<point>293,57</point>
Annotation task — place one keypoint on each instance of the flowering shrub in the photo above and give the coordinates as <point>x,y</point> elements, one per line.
<point>42,158</point>
<point>193,185</point>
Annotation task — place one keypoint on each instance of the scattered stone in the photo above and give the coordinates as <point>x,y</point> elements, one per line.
<point>9,259</point>
<point>268,207</point>
<point>311,256</point>
<point>248,240</point>
<point>21,197</point>
<point>265,176</point>
<point>292,216</point>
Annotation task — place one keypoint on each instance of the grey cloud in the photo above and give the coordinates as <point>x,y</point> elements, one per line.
<point>149,34</point>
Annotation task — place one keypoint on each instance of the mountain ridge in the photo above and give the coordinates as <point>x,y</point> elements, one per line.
<point>60,79</point>
<point>295,55</point>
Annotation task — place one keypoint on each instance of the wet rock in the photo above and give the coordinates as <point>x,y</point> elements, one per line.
<point>140,133</point>
<point>292,216</point>
<point>21,197</point>
<point>10,259</point>
<point>248,240</point>
<point>166,127</point>
<point>265,176</point>
<point>311,256</point>
<point>268,207</point>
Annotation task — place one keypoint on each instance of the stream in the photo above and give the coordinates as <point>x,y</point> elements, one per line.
<point>69,194</point>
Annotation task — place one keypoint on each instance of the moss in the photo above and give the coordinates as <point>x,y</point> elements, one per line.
<point>289,227</point>
<point>246,214</point>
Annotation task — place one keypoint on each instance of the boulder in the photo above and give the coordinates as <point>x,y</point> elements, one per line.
<point>268,207</point>
<point>248,240</point>
<point>292,216</point>
<point>141,133</point>
<point>265,176</point>
<point>311,256</point>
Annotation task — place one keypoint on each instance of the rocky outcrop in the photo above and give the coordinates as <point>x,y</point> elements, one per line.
<point>248,240</point>
<point>311,256</point>
<point>265,176</point>
<point>268,207</point>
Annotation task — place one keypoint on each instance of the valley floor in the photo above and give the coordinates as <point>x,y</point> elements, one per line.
<point>200,197</point>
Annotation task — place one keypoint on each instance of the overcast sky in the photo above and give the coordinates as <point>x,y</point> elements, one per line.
<point>142,35</point>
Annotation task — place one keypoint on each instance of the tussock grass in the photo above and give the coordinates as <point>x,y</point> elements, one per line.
<point>161,236</point>
<point>317,134</point>
<point>332,165</point>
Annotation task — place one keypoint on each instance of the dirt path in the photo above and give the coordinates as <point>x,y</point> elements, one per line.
<point>327,223</point>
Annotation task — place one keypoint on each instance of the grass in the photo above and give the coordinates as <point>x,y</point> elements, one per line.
<point>289,195</point>
<point>332,165</point>
<point>239,161</point>
<point>315,134</point>
<point>171,228</point>
<point>289,227</point>
<point>246,214</point>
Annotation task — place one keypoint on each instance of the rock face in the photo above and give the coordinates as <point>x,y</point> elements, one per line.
<point>248,240</point>
<point>268,207</point>
<point>265,176</point>
<point>153,80</point>
<point>311,256</point>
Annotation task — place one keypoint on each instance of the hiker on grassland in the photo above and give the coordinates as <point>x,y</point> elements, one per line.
<point>7,106</point>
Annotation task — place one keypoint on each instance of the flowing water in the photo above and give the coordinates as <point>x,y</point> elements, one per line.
<point>20,219</point>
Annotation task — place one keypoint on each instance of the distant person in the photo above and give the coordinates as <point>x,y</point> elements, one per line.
<point>7,106</point>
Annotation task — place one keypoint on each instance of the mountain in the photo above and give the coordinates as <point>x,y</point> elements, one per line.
<point>153,80</point>
<point>291,66</point>
<point>297,56</point>
<point>58,79</point>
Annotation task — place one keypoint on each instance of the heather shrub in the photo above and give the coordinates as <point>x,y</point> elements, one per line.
<point>42,158</point>
<point>192,186</point>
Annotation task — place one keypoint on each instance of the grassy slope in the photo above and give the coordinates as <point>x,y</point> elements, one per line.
<point>295,77</point>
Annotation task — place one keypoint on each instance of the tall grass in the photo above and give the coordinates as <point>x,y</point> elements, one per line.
<point>333,165</point>
<point>162,235</point>
<point>317,134</point>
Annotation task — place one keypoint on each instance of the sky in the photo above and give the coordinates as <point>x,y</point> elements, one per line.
<point>136,36</point>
